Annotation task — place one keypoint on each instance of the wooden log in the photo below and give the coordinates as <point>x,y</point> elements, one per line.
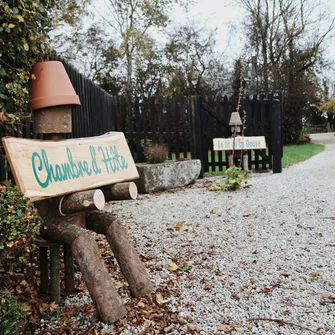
<point>97,278</point>
<point>130,264</point>
<point>62,231</point>
<point>54,273</point>
<point>120,191</point>
<point>81,201</point>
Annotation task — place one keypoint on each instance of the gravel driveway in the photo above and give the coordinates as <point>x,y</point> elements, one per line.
<point>256,261</point>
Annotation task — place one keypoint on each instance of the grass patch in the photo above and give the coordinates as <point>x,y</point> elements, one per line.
<point>299,153</point>
<point>292,154</point>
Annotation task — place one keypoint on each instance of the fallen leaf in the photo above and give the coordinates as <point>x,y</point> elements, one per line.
<point>213,211</point>
<point>255,252</point>
<point>53,306</point>
<point>169,328</point>
<point>214,188</point>
<point>178,225</point>
<point>44,307</point>
<point>235,296</point>
<point>159,299</point>
<point>225,328</point>
<point>223,278</point>
<point>173,266</point>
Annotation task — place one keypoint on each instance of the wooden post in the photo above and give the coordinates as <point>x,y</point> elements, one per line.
<point>69,270</point>
<point>276,131</point>
<point>125,253</point>
<point>54,273</point>
<point>196,150</point>
<point>44,270</point>
<point>245,163</point>
<point>230,159</point>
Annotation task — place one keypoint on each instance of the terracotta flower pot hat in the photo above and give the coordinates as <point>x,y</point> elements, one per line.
<point>52,86</point>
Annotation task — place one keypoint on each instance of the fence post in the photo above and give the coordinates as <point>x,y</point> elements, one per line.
<point>276,131</point>
<point>196,131</point>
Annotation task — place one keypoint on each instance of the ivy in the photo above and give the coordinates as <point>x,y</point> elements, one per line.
<point>23,42</point>
<point>19,224</point>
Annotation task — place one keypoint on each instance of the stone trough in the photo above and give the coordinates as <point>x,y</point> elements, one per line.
<point>167,175</point>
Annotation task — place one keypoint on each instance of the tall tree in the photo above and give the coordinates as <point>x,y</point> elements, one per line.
<point>193,65</point>
<point>132,21</point>
<point>287,39</point>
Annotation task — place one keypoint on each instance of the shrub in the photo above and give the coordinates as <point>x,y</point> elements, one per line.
<point>12,314</point>
<point>19,225</point>
<point>23,40</point>
<point>236,177</point>
<point>155,153</point>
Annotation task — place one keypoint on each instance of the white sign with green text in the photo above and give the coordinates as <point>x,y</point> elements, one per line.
<point>239,143</point>
<point>44,169</point>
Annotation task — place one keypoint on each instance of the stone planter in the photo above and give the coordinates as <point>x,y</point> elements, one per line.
<point>167,175</point>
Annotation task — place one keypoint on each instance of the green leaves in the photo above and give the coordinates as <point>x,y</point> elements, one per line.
<point>12,314</point>
<point>24,42</point>
<point>235,179</point>
<point>17,219</point>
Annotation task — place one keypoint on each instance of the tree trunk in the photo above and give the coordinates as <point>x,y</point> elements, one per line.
<point>125,253</point>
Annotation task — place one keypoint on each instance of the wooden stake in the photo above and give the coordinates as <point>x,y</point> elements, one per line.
<point>54,273</point>
<point>245,164</point>
<point>69,270</point>
<point>230,160</point>
<point>130,264</point>
<point>44,269</point>
<point>120,191</point>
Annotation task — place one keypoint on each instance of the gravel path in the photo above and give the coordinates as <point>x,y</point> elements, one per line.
<point>262,252</point>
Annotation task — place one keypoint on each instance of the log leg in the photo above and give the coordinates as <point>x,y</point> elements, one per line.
<point>44,269</point>
<point>69,270</point>
<point>97,278</point>
<point>54,272</point>
<point>130,264</point>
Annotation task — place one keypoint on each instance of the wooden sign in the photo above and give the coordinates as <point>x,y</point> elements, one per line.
<point>240,143</point>
<point>44,169</point>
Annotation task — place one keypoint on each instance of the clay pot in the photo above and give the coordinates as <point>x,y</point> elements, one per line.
<point>52,86</point>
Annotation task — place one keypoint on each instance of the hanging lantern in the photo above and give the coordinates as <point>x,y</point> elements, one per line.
<point>52,98</point>
<point>235,122</point>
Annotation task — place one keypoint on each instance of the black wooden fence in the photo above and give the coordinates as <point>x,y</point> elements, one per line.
<point>186,125</point>
<point>189,125</point>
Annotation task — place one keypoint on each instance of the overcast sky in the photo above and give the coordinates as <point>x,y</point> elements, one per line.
<point>223,14</point>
